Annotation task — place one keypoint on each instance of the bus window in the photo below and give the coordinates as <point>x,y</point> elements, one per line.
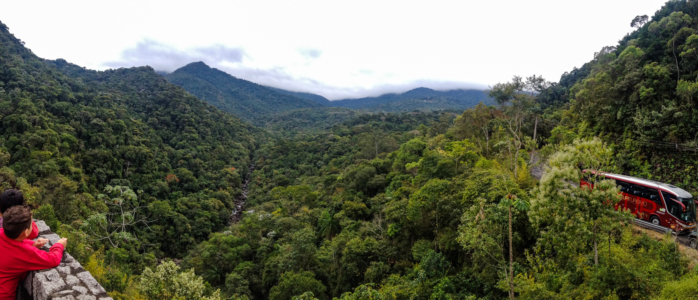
<point>639,191</point>
<point>653,195</point>
<point>624,186</point>
<point>671,204</point>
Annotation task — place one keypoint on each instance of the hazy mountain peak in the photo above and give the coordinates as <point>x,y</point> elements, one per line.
<point>240,97</point>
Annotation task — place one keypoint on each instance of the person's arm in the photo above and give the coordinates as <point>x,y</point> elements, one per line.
<point>35,231</point>
<point>38,243</point>
<point>35,259</point>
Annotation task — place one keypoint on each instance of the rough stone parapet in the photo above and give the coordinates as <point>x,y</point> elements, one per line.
<point>68,281</point>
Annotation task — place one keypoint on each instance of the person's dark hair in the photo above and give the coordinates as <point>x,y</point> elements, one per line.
<point>15,220</point>
<point>10,198</point>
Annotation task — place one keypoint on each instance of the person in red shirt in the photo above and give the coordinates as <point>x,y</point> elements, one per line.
<point>10,198</point>
<point>19,254</point>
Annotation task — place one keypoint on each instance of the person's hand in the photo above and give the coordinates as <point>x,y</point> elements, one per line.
<point>63,242</point>
<point>40,243</point>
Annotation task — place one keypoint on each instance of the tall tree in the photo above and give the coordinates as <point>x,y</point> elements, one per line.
<point>638,21</point>
<point>569,214</point>
<point>512,202</point>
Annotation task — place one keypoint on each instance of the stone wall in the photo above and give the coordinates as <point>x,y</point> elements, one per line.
<point>68,281</point>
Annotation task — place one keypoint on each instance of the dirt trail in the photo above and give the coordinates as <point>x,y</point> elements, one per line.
<point>236,215</point>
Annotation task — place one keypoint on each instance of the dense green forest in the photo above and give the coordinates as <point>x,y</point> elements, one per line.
<point>418,99</point>
<point>68,133</point>
<point>368,205</point>
<point>309,120</point>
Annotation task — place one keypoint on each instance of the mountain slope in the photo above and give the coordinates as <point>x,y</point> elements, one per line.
<point>307,120</point>
<point>641,95</point>
<point>308,96</point>
<point>419,99</point>
<point>67,132</point>
<point>242,98</point>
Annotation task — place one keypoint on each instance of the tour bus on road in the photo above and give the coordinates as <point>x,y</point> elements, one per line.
<point>659,203</point>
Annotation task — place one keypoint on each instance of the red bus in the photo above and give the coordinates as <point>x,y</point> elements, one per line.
<point>659,203</point>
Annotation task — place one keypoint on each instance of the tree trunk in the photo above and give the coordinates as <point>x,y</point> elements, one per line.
<point>673,50</point>
<point>516,163</point>
<point>511,259</point>
<point>535,129</point>
<point>596,247</point>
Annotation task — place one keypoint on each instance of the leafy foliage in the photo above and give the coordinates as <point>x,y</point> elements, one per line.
<point>417,99</point>
<point>419,205</point>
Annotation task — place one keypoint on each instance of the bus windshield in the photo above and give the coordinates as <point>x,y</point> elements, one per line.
<point>689,215</point>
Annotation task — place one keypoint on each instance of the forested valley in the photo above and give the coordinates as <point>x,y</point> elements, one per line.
<point>142,177</point>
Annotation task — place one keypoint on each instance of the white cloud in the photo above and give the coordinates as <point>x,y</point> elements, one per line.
<point>166,58</point>
<point>310,53</point>
<point>336,49</point>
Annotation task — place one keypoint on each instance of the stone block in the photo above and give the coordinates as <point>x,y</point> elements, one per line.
<point>28,283</point>
<point>46,283</point>
<point>52,238</point>
<point>75,266</point>
<point>43,228</point>
<point>67,258</point>
<point>72,281</point>
<point>80,289</point>
<point>91,283</point>
<point>68,281</point>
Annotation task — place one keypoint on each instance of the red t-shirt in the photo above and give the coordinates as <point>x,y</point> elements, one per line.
<point>17,258</point>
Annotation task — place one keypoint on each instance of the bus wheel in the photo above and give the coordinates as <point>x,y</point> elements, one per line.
<point>692,243</point>
<point>655,220</point>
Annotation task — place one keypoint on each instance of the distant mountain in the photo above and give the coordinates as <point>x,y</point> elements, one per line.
<point>418,99</point>
<point>242,98</point>
<point>308,96</point>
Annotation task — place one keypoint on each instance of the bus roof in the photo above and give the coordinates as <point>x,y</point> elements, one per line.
<point>681,193</point>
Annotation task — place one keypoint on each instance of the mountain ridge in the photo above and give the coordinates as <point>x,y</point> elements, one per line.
<point>432,100</point>
<point>245,99</point>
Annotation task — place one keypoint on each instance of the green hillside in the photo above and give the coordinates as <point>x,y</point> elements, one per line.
<point>308,96</point>
<point>641,96</point>
<point>406,207</point>
<point>348,204</point>
<point>242,98</point>
<point>67,133</point>
<point>309,120</point>
<point>418,99</point>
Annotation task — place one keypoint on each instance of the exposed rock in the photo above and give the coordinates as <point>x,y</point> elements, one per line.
<point>91,283</point>
<point>537,169</point>
<point>52,238</point>
<point>80,289</point>
<point>46,283</point>
<point>43,228</point>
<point>73,281</point>
<point>240,201</point>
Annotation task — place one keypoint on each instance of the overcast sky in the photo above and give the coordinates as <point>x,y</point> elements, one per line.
<point>344,49</point>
